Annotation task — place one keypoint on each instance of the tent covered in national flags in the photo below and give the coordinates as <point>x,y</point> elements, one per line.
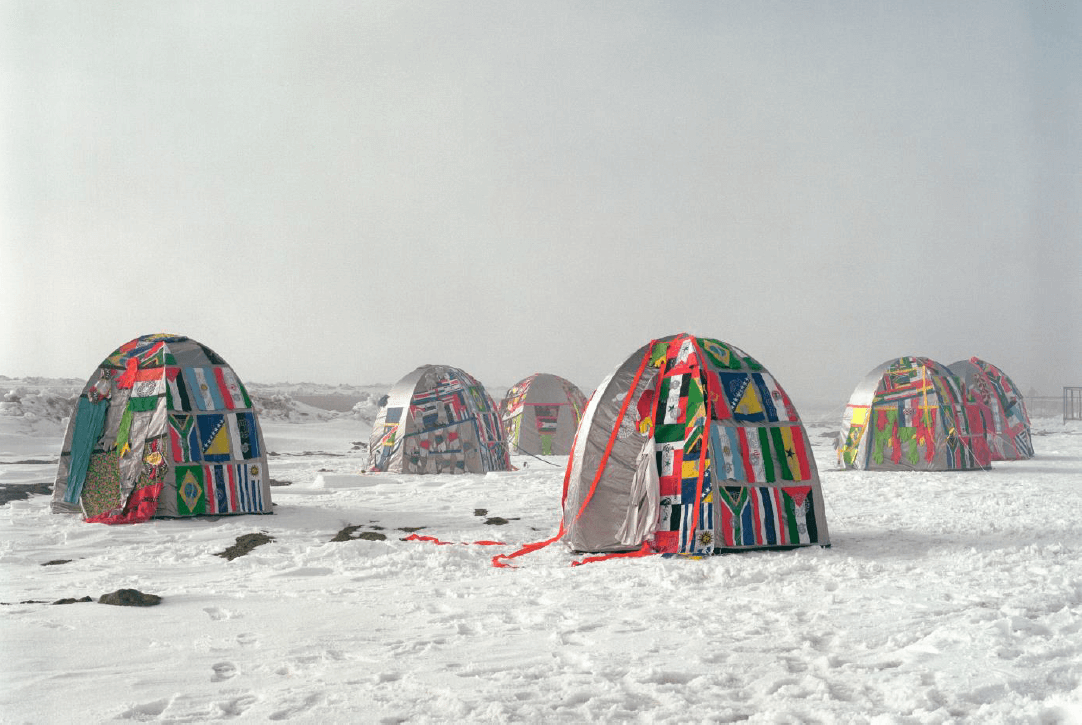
<point>164,427</point>
<point>540,415</point>
<point>438,419</point>
<point>691,447</point>
<point>912,413</point>
<point>1007,431</point>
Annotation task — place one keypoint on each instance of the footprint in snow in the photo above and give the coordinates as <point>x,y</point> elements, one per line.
<point>294,709</point>
<point>146,710</point>
<point>218,614</point>
<point>223,671</point>
<point>236,706</point>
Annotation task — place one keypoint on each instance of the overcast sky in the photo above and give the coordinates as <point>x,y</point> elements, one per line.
<point>340,191</point>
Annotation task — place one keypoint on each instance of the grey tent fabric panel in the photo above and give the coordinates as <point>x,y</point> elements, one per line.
<point>644,501</point>
<point>389,457</point>
<point>597,529</point>
<point>189,354</point>
<point>60,487</point>
<point>861,397</point>
<point>167,500</point>
<point>118,404</point>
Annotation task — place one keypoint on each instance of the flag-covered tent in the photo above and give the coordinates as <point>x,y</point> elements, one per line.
<point>691,447</point>
<point>540,415</point>
<point>912,413</point>
<point>164,427</point>
<point>438,419</point>
<point>1008,433</point>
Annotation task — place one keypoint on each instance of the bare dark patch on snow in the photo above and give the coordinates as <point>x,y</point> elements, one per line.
<point>129,598</point>
<point>347,534</point>
<point>244,545</point>
<point>19,491</point>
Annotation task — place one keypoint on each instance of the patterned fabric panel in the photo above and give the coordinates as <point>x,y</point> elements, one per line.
<point>902,432</point>
<point>214,437</point>
<point>384,447</point>
<point>212,388</point>
<point>454,398</point>
<point>767,516</point>
<point>220,489</point>
<point>686,524</point>
<point>512,403</point>
<point>440,450</point>
<point>101,493</point>
<point>760,454</point>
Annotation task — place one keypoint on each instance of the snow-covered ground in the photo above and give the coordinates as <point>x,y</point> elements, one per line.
<point>945,598</point>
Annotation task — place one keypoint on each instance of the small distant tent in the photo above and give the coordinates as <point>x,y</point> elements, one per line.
<point>1008,433</point>
<point>691,447</point>
<point>912,413</point>
<point>164,427</point>
<point>438,419</point>
<point>540,415</point>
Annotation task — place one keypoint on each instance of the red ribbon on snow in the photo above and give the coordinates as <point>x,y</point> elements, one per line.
<point>437,542</point>
<point>528,548</point>
<point>644,551</point>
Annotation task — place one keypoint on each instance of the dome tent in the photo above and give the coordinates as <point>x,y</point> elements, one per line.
<point>1008,433</point>
<point>164,427</point>
<point>691,447</point>
<point>540,415</point>
<point>912,413</point>
<point>438,419</point>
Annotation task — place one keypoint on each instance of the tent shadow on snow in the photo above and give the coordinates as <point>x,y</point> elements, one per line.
<point>1037,468</point>
<point>905,544</point>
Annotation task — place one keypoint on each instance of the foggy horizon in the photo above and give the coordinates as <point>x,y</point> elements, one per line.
<point>338,193</point>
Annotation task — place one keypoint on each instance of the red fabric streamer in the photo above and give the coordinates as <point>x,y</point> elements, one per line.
<point>437,542</point>
<point>497,561</point>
